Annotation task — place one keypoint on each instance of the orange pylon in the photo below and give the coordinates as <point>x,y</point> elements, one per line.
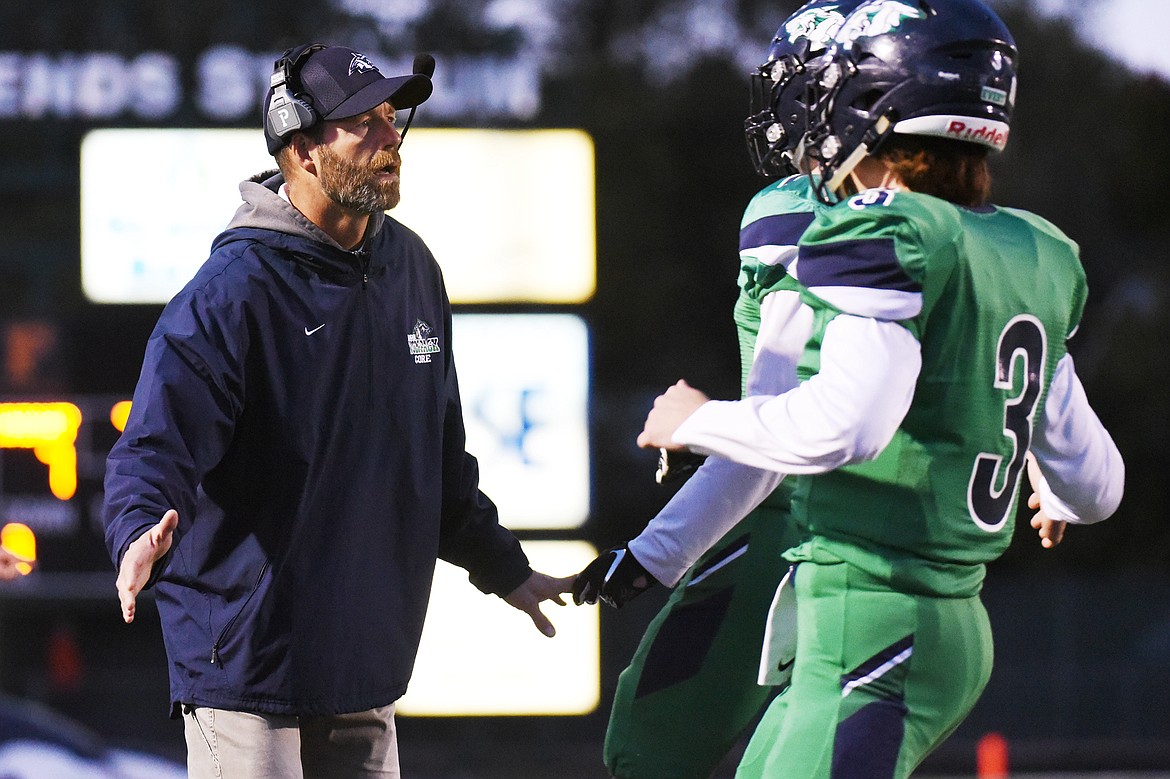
<point>991,757</point>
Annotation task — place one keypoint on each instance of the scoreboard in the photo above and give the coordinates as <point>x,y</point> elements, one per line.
<point>52,461</point>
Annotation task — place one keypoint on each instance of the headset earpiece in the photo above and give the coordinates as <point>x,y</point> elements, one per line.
<point>288,113</point>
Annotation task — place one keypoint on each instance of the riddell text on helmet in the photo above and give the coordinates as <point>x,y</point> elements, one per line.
<point>987,134</point>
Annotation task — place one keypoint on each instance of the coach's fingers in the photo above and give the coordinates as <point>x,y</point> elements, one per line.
<point>536,589</point>
<point>542,622</point>
<point>139,560</point>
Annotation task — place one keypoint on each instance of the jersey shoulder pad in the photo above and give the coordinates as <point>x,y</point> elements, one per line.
<point>771,227</point>
<point>790,195</point>
<point>1044,227</point>
<point>1062,255</point>
<point>908,227</point>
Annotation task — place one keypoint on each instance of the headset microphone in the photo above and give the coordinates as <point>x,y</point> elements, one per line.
<point>424,65</point>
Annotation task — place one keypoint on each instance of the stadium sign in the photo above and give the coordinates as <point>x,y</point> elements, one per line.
<point>227,84</point>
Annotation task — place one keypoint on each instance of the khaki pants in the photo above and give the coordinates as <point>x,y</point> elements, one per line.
<point>239,745</point>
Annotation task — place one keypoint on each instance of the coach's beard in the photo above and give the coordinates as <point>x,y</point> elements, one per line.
<point>357,186</point>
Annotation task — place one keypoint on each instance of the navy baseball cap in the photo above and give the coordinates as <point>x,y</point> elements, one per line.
<point>337,82</point>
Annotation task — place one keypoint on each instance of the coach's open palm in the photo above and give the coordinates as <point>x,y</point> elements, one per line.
<point>140,558</point>
<point>536,589</point>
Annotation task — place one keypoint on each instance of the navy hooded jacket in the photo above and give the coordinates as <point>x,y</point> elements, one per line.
<point>298,406</point>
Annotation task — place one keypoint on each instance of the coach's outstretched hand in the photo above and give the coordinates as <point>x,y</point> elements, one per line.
<point>615,577</point>
<point>536,589</point>
<point>140,558</point>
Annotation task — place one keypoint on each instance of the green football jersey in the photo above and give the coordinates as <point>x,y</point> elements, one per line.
<point>991,295</point>
<point>770,230</point>
<point>772,224</point>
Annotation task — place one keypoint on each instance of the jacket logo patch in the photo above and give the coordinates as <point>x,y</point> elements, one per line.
<point>421,342</point>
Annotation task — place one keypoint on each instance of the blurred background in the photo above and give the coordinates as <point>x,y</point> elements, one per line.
<point>658,90</point>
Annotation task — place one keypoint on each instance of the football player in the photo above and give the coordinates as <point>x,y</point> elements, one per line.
<point>937,360</point>
<point>692,687</point>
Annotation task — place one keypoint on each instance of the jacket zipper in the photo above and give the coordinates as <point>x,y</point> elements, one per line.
<point>232,621</point>
<point>363,261</point>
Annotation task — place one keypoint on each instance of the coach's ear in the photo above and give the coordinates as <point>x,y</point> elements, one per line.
<point>301,152</point>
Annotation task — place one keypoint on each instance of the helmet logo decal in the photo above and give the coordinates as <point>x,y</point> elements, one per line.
<point>877,17</point>
<point>817,25</point>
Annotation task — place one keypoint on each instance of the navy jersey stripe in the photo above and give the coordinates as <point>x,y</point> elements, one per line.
<point>871,263</point>
<point>775,230</point>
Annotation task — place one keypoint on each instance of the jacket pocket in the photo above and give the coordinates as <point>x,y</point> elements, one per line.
<point>227,628</point>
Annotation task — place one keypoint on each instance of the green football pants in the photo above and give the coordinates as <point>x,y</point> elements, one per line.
<point>881,679</point>
<point>690,690</point>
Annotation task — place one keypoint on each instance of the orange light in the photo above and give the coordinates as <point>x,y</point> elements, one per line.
<point>119,414</point>
<point>991,757</point>
<point>50,430</point>
<point>18,540</point>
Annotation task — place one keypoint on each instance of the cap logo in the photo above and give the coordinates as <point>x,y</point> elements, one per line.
<point>359,64</point>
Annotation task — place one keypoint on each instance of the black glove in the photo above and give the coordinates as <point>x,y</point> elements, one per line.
<point>673,466</point>
<point>615,577</point>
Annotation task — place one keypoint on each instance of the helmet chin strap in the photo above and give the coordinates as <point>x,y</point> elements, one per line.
<point>856,156</point>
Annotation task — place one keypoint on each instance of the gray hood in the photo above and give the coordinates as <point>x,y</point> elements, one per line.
<point>263,208</point>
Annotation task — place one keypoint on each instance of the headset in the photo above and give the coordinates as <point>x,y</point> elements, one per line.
<point>288,113</point>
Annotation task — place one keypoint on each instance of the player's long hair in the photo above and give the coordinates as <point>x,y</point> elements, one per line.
<point>952,170</point>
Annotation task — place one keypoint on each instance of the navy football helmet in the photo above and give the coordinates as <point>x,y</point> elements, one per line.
<point>779,88</point>
<point>944,68</point>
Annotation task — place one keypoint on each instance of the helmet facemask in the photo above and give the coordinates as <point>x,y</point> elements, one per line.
<point>779,117</point>
<point>779,108</point>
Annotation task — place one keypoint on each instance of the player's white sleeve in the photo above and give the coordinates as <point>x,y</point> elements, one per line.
<point>846,413</point>
<point>1076,455</point>
<point>785,326</point>
<point>717,496</point>
<point>721,492</point>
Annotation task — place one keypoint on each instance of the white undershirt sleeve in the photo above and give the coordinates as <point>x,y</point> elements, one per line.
<point>717,496</point>
<point>1077,456</point>
<point>721,492</point>
<point>846,413</point>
